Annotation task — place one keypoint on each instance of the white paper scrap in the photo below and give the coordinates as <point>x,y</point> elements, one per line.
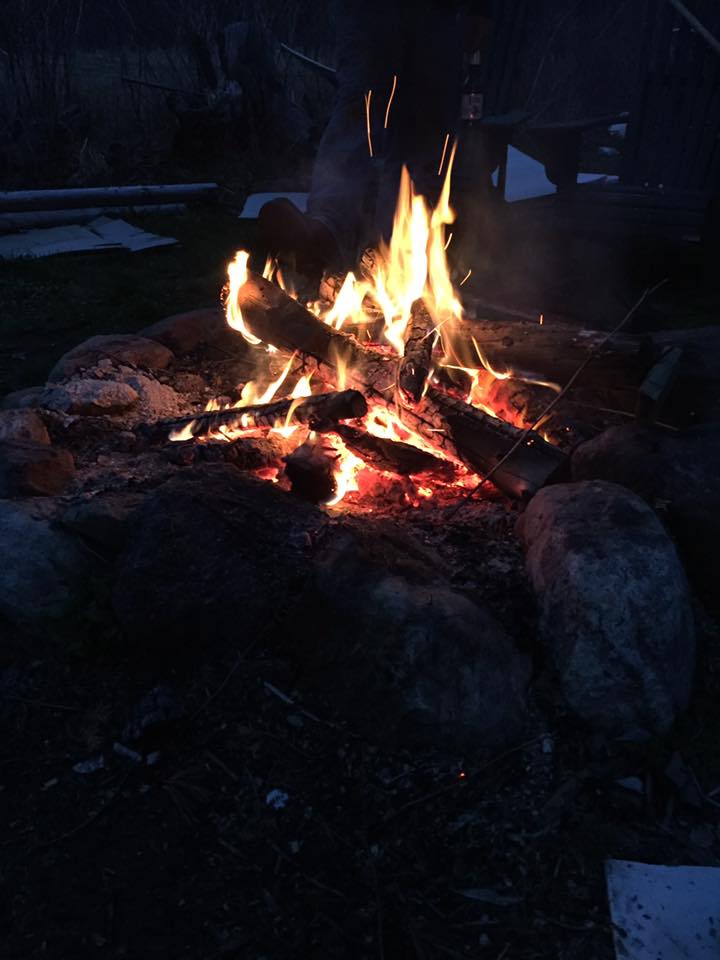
<point>664,913</point>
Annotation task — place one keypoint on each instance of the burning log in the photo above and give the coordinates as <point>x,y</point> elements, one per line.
<point>316,411</point>
<point>417,358</point>
<point>394,456</point>
<point>550,353</point>
<point>484,440</point>
<point>276,318</point>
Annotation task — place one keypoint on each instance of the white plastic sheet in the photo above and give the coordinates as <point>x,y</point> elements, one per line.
<point>664,913</point>
<point>103,233</point>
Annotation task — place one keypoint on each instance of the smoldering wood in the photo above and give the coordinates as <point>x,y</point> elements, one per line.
<point>318,410</point>
<point>484,440</point>
<point>515,401</point>
<point>310,470</point>
<point>416,363</point>
<point>276,318</point>
<point>550,353</point>
<point>394,456</point>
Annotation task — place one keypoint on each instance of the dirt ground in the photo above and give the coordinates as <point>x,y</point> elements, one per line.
<point>250,821</point>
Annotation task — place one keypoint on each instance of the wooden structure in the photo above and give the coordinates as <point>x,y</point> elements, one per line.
<point>670,167</point>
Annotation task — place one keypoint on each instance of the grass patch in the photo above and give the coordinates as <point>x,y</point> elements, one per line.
<point>49,306</point>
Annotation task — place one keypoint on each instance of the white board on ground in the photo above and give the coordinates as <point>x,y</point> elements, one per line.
<point>664,913</point>
<point>102,233</point>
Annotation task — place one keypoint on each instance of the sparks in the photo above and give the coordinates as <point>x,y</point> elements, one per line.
<point>447,242</point>
<point>389,103</point>
<point>444,151</point>
<point>368,100</point>
<point>542,318</point>
<point>466,277</point>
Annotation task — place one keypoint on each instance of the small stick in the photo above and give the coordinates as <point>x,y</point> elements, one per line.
<point>556,399</point>
<point>323,407</point>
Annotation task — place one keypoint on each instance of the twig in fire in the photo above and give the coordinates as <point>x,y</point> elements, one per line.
<point>557,398</point>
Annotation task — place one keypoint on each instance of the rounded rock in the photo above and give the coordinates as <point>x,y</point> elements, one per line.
<point>615,611</point>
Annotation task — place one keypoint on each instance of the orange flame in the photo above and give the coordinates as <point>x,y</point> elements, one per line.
<point>237,276</point>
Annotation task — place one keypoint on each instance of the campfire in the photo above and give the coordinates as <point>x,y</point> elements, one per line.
<point>380,384</point>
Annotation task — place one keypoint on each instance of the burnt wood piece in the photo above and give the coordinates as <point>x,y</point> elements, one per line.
<point>551,352</point>
<point>310,470</point>
<point>324,408</point>
<point>394,456</point>
<point>417,358</point>
<point>278,319</point>
<point>484,440</point>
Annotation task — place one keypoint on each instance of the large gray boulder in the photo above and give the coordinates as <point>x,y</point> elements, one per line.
<point>213,556</point>
<point>45,572</point>
<point>614,607</point>
<point>104,520</point>
<point>120,347</point>
<point>677,473</point>
<point>403,655</point>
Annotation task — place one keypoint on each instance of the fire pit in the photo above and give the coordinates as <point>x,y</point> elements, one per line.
<point>316,460</point>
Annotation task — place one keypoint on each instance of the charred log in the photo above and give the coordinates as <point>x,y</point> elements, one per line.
<point>394,456</point>
<point>483,441</point>
<point>417,358</point>
<point>316,411</point>
<point>550,353</point>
